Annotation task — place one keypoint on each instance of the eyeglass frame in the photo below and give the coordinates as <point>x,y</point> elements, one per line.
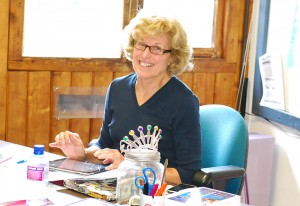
<point>164,51</point>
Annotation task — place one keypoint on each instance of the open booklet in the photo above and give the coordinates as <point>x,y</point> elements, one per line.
<point>203,196</point>
<point>104,189</point>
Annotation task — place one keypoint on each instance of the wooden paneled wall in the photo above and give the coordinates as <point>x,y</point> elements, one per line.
<point>4,21</point>
<point>26,86</point>
<point>30,102</point>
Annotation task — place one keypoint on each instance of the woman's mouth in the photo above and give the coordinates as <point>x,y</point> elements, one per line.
<point>143,64</point>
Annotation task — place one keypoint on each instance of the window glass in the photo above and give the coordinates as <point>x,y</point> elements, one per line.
<point>92,28</point>
<point>268,41</point>
<point>196,16</point>
<point>72,28</point>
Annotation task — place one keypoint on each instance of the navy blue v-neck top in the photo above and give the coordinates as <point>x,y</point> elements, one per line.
<point>174,109</point>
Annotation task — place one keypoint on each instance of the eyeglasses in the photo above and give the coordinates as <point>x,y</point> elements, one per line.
<point>153,49</point>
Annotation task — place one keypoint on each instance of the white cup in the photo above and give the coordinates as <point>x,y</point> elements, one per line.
<point>134,201</point>
<point>147,200</point>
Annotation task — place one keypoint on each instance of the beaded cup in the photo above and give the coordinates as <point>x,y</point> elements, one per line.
<point>144,141</point>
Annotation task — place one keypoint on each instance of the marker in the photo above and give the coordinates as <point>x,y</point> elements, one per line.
<point>146,189</point>
<point>21,161</point>
<point>154,190</point>
<point>161,190</point>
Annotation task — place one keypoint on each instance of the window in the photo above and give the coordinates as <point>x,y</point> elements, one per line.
<point>72,28</point>
<point>80,28</point>
<point>278,116</point>
<point>197,16</point>
<point>219,51</point>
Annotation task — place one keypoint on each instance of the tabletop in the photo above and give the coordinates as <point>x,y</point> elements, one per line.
<point>13,176</point>
<point>13,159</point>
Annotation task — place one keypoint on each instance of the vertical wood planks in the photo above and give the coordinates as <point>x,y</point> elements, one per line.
<point>4,25</point>
<point>38,117</point>
<point>17,107</point>
<point>204,87</point>
<point>81,126</point>
<point>188,79</point>
<point>59,79</point>
<point>101,79</point>
<point>224,89</point>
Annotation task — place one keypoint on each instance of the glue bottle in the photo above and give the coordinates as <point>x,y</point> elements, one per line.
<point>37,177</point>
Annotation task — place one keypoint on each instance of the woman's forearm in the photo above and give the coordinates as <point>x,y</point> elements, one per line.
<point>172,176</point>
<point>89,155</point>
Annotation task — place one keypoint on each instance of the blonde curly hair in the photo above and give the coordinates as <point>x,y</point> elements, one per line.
<point>144,25</point>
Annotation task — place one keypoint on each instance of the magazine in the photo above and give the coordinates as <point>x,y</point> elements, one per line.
<point>202,196</point>
<point>22,203</point>
<point>104,189</point>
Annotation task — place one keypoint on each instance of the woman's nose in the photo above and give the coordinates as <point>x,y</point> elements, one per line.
<point>146,52</point>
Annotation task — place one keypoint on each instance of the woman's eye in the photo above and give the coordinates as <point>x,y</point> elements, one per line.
<point>157,48</point>
<point>141,44</point>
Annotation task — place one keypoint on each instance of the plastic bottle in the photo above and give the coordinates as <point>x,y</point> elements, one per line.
<point>37,177</point>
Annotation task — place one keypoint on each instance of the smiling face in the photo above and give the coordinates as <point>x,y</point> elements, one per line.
<point>148,65</point>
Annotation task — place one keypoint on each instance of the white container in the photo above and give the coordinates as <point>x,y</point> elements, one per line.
<point>135,161</point>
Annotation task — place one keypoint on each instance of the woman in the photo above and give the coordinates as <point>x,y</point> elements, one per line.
<point>152,95</point>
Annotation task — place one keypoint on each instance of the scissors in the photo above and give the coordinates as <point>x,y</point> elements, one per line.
<point>147,185</point>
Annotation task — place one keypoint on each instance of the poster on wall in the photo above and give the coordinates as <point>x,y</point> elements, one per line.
<point>272,81</point>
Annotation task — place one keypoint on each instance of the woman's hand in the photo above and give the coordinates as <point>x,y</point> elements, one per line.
<point>112,156</point>
<point>71,145</point>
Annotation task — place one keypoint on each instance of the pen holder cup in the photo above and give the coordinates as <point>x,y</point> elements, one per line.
<point>147,200</point>
<point>132,167</point>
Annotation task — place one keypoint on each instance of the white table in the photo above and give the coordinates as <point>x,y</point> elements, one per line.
<point>13,176</point>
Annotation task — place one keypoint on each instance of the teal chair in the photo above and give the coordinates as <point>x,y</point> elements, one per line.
<point>224,149</point>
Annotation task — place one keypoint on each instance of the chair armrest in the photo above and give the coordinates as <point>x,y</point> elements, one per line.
<point>206,176</point>
<point>225,172</point>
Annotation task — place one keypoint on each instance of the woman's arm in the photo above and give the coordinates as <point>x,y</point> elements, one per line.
<point>172,176</point>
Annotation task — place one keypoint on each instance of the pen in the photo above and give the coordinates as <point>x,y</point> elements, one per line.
<point>153,190</point>
<point>146,189</point>
<point>164,173</point>
<point>161,190</point>
<point>21,161</point>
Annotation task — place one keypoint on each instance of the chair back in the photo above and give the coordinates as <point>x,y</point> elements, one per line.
<point>224,140</point>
